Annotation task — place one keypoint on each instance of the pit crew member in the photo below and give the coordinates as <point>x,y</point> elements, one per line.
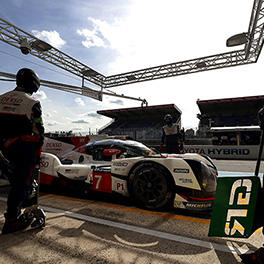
<point>171,136</point>
<point>21,137</point>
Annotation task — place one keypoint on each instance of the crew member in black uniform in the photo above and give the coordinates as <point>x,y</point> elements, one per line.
<point>21,138</point>
<point>171,136</point>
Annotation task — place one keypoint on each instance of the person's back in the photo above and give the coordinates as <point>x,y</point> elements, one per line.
<point>21,137</point>
<point>16,114</point>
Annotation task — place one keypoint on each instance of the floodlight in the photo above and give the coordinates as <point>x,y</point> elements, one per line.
<point>25,46</point>
<point>200,64</point>
<point>89,72</point>
<point>40,45</point>
<point>131,77</point>
<point>237,40</point>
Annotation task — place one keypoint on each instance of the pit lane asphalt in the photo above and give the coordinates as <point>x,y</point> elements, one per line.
<point>105,229</point>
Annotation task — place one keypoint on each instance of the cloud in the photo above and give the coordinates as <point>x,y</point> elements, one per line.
<point>47,115</point>
<point>41,95</point>
<point>94,115</point>
<point>91,38</point>
<point>51,37</point>
<point>146,42</point>
<point>51,123</point>
<point>80,122</point>
<point>79,101</point>
<point>117,101</point>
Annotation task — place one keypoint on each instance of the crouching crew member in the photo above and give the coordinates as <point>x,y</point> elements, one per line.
<point>171,136</point>
<point>21,138</point>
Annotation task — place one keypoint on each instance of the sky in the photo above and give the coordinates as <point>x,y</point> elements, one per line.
<point>114,37</point>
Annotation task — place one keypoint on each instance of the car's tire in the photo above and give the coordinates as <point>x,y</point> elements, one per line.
<point>149,186</point>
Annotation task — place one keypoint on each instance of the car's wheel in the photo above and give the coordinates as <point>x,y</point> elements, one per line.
<point>150,186</point>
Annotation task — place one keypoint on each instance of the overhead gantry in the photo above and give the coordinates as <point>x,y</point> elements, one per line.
<point>252,40</point>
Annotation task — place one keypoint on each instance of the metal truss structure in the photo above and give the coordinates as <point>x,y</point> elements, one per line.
<point>247,55</point>
<point>17,37</point>
<point>218,61</point>
<point>255,31</point>
<point>74,89</point>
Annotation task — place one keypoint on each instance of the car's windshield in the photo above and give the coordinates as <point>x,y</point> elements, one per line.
<point>134,148</point>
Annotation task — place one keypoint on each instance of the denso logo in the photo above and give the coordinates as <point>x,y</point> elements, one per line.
<point>53,145</point>
<point>11,100</point>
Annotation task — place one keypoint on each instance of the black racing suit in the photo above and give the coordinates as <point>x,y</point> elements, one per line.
<point>171,137</point>
<point>22,135</point>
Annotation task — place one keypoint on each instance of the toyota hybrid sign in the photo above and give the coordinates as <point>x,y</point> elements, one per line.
<point>246,152</point>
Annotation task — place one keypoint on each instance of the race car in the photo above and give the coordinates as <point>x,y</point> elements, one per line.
<point>132,169</point>
<point>93,152</point>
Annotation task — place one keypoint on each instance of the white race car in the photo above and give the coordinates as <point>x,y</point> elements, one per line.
<point>132,169</point>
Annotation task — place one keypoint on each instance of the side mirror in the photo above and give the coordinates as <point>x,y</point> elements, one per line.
<point>111,152</point>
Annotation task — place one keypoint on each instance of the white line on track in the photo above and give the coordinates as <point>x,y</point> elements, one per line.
<point>142,230</point>
<point>135,244</point>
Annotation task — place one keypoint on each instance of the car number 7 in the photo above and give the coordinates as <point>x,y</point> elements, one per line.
<point>98,177</point>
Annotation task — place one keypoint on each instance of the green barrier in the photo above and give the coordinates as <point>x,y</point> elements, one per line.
<point>238,205</point>
<point>235,206</point>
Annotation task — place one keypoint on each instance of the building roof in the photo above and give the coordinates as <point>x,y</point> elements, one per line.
<point>237,106</point>
<point>144,112</point>
<point>235,129</point>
